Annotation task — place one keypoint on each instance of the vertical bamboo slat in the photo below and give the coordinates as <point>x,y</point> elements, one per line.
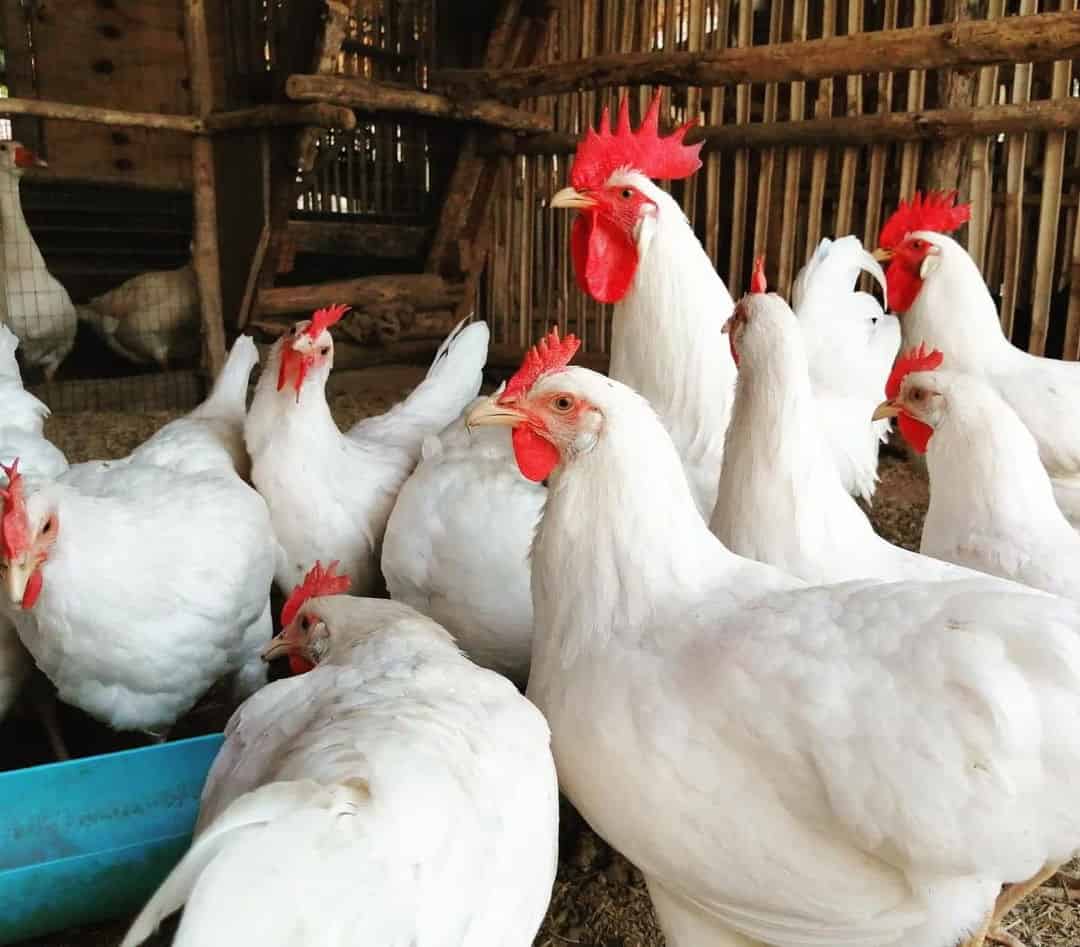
<point>981,179</point>
<point>849,161</point>
<point>916,94</point>
<point>820,162</point>
<point>879,153</point>
<point>742,157</point>
<point>763,208</point>
<point>793,169</point>
<point>695,12</point>
<point>721,18</point>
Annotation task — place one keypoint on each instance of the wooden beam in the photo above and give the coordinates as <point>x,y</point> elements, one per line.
<point>117,118</point>
<point>1040,38</point>
<point>386,241</point>
<point>415,290</point>
<point>369,96</point>
<point>207,256</point>
<point>280,115</point>
<point>931,125</point>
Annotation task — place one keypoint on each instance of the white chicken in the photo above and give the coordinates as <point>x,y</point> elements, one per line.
<point>137,583</point>
<point>457,545</point>
<point>633,246</point>
<point>850,344</point>
<point>991,503</point>
<point>22,420</point>
<point>780,499</point>
<point>330,494</point>
<point>151,318</point>
<point>36,306</point>
<point>861,763</point>
<point>408,793</point>
<point>943,303</point>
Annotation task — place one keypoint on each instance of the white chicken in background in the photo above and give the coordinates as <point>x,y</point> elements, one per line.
<point>36,306</point>
<point>150,319</point>
<point>850,345</point>
<point>408,794</point>
<point>633,246</point>
<point>22,426</point>
<point>138,583</point>
<point>992,505</point>
<point>457,545</point>
<point>943,303</point>
<point>780,499</point>
<point>861,763</point>
<point>330,494</point>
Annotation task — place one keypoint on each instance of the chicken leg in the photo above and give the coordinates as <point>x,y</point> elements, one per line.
<point>43,700</point>
<point>1009,898</point>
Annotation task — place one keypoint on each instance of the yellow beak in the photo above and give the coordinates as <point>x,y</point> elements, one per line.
<point>887,409</point>
<point>882,255</point>
<point>279,645</point>
<point>490,413</point>
<point>17,578</point>
<point>569,198</point>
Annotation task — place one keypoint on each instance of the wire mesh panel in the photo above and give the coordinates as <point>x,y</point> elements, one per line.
<point>780,199</point>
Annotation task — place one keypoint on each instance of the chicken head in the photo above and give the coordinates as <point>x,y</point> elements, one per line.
<point>23,548</point>
<point>915,404</point>
<point>609,189</point>
<point>16,158</point>
<point>307,345</point>
<point>305,637</point>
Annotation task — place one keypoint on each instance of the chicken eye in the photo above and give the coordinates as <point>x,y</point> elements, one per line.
<point>562,403</point>
<point>917,244</point>
<point>47,528</point>
<point>626,193</point>
<point>305,623</point>
<point>325,350</point>
<point>917,394</point>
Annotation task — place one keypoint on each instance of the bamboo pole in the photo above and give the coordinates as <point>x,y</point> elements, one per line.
<point>916,91</point>
<point>879,151</point>
<point>721,19</point>
<point>849,160</point>
<point>981,174</point>
<point>820,161</point>
<point>369,96</point>
<point>1042,37</point>
<point>207,257</point>
<point>742,158</point>
<point>767,170</point>
<point>793,166</point>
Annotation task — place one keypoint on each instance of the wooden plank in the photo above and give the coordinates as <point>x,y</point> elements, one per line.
<point>369,96</point>
<point>1037,38</point>
<point>416,290</point>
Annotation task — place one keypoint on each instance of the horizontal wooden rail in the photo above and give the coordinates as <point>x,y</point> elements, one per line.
<point>352,238</point>
<point>935,124</point>
<point>1043,37</point>
<point>371,96</point>
<point>259,117</point>
<point>415,290</point>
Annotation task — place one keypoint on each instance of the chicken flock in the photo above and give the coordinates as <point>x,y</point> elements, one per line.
<point>799,733</point>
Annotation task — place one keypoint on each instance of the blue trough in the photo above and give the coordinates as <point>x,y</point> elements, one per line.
<point>91,839</point>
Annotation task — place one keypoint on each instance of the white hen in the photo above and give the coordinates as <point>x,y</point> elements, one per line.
<point>138,583</point>
<point>992,505</point>
<point>855,764</point>
<point>780,499</point>
<point>457,545</point>
<point>36,305</point>
<point>408,793</point>
<point>850,345</point>
<point>330,494</point>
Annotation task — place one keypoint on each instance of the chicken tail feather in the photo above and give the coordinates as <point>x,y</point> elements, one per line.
<point>228,397</point>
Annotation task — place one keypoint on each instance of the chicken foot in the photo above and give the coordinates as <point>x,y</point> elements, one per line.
<point>1010,897</point>
<point>44,703</point>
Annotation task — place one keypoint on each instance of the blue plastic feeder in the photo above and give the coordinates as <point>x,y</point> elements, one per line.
<point>88,840</point>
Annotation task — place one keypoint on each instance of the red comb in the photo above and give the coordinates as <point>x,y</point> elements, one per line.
<point>757,280</point>
<point>548,355</point>
<point>602,152</point>
<point>934,212</point>
<point>914,360</point>
<point>318,581</point>
<point>324,318</point>
<point>14,523</point>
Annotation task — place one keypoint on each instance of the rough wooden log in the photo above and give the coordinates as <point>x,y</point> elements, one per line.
<point>369,96</point>
<point>317,114</point>
<point>1040,38</point>
<point>206,257</point>
<point>415,290</point>
<point>386,241</point>
<point>335,26</point>
<point>930,125</point>
<point>117,118</point>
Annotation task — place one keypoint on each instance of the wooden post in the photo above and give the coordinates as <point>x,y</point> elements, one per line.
<point>206,259</point>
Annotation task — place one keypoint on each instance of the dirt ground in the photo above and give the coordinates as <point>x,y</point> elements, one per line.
<point>599,898</point>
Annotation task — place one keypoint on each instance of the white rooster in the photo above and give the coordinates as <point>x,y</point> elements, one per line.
<point>329,493</point>
<point>780,499</point>
<point>850,344</point>
<point>137,583</point>
<point>943,303</point>
<point>863,763</point>
<point>633,246</point>
<point>393,795</point>
<point>457,545</point>
<point>991,502</point>
<point>36,306</point>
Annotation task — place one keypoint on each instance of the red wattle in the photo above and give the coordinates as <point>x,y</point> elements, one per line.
<point>605,258</point>
<point>289,359</point>
<point>915,432</point>
<point>32,590</point>
<point>904,286</point>
<point>299,664</point>
<point>535,457</point>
